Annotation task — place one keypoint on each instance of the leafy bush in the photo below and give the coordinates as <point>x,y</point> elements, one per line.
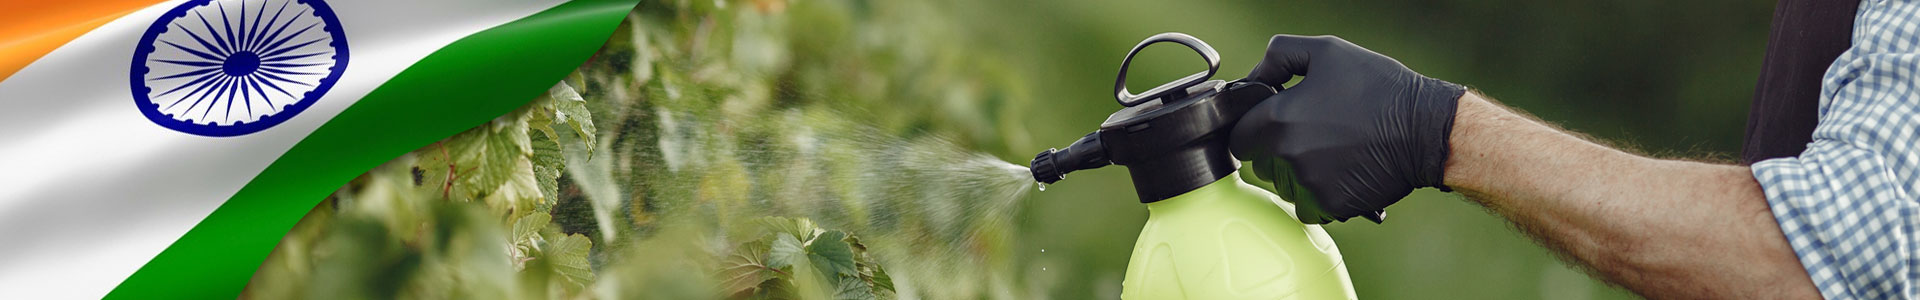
<point>703,144</point>
<point>773,266</point>
<point>428,224</point>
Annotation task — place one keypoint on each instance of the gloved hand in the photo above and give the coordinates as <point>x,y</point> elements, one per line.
<point>1357,134</point>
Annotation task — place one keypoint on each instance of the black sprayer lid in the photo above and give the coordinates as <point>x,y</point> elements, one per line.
<point>1172,138</point>
<point>1170,149</point>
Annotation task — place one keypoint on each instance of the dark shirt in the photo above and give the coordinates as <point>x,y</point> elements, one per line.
<point>1806,36</point>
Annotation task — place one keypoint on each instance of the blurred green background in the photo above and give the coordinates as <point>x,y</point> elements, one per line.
<point>1671,77</point>
<point>873,117</point>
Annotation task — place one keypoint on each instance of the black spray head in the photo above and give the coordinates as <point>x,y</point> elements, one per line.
<point>1172,138</point>
<point>1169,148</point>
<point>1054,164</point>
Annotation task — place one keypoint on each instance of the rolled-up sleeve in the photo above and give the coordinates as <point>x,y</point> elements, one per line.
<point>1846,204</point>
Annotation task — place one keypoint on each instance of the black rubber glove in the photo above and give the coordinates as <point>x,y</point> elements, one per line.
<point>1357,134</point>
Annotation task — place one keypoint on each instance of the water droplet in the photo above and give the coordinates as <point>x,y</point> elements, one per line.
<point>1043,185</point>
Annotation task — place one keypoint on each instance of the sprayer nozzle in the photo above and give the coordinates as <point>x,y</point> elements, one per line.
<point>1043,169</point>
<point>1054,164</point>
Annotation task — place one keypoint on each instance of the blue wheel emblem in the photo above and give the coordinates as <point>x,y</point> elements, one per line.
<point>234,67</point>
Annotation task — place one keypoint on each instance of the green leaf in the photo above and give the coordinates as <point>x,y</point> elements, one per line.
<point>801,228</point>
<point>519,194</point>
<point>786,251</point>
<point>831,255</point>
<point>777,290</point>
<point>747,271</point>
<point>485,158</point>
<point>529,226</point>
<point>476,170</point>
<point>869,271</point>
<point>852,289</point>
<point>568,257</point>
<point>569,107</point>
<point>540,118</point>
<point>548,162</point>
<point>881,280</point>
<point>452,168</point>
<point>434,161</point>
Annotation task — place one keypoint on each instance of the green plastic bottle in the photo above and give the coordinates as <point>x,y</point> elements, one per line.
<point>1209,235</point>
<point>1231,240</point>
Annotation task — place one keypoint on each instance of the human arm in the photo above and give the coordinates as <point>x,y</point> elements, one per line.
<point>1662,228</point>
<point>1362,131</point>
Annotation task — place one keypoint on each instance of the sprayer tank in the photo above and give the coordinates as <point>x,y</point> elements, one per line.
<point>1208,234</point>
<point>1231,240</point>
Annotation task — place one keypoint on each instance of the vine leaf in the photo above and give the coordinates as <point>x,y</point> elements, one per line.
<point>747,271</point>
<point>569,107</point>
<point>529,226</point>
<point>520,193</point>
<point>568,256</point>
<point>786,250</point>
<point>869,271</point>
<point>882,281</point>
<point>802,229</point>
<point>853,289</point>
<point>830,254</point>
<point>846,270</point>
<point>547,165</point>
<point>494,158</point>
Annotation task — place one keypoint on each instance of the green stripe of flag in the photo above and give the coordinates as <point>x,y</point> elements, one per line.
<point>466,83</point>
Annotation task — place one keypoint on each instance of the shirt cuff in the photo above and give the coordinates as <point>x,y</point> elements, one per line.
<point>1846,218</point>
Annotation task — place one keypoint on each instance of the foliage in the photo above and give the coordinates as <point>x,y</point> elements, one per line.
<point>690,158</point>
<point>703,116</point>
<point>417,211</point>
<point>765,268</point>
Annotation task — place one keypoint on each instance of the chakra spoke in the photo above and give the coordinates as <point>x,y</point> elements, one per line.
<point>197,90</point>
<point>291,48</point>
<point>189,84</point>
<point>255,83</point>
<point>245,99</point>
<point>203,42</point>
<point>286,72</point>
<point>196,101</point>
<point>285,65</point>
<point>271,76</point>
<point>275,87</point>
<point>227,22</point>
<point>195,53</point>
<point>224,89</point>
<point>188,73</point>
<point>251,28</point>
<point>190,63</point>
<point>240,38</point>
<point>283,41</point>
<point>276,19</point>
<point>213,32</point>
<point>216,92</point>
<point>276,59</point>
<point>282,28</point>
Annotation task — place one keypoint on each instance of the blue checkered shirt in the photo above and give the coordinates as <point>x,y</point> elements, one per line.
<point>1847,203</point>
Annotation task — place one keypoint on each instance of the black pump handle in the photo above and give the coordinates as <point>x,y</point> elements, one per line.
<point>1177,88</point>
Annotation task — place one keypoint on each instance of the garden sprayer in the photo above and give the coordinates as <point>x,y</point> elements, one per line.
<point>1209,235</point>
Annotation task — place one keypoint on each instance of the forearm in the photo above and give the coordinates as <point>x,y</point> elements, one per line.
<point>1662,228</point>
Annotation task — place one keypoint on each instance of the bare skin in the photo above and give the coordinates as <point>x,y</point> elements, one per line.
<point>1665,229</point>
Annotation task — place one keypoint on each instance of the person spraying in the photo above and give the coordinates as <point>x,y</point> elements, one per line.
<point>1363,131</point>
<point>1209,235</point>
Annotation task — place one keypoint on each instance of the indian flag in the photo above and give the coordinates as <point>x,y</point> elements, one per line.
<point>162,149</point>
